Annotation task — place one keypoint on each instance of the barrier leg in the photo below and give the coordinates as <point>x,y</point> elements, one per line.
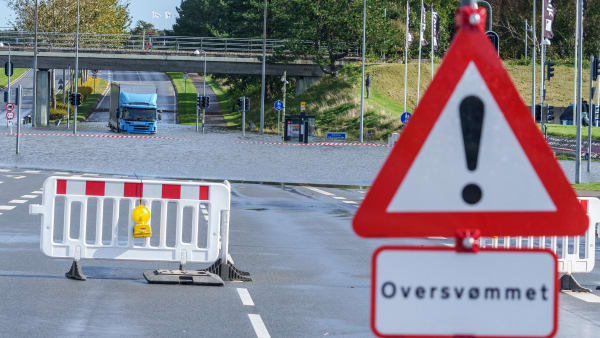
<point>75,272</point>
<point>224,267</point>
<point>569,283</point>
<point>183,276</point>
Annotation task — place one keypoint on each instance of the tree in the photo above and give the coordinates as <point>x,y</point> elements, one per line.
<point>142,27</point>
<point>96,16</point>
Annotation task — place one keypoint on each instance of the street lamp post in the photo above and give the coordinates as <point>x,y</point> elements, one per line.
<point>76,70</point>
<point>362,83</point>
<point>264,69</point>
<point>35,63</point>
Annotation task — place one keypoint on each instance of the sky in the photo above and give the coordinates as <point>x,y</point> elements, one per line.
<point>139,9</point>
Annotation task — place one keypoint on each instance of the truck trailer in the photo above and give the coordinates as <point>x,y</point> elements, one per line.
<point>133,108</point>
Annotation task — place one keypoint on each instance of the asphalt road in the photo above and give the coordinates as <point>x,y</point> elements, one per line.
<point>311,274</point>
<point>166,94</point>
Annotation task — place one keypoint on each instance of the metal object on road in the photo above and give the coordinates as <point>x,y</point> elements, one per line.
<point>489,292</point>
<point>207,227</point>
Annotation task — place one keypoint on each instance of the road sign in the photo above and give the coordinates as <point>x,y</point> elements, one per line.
<point>472,158</point>
<point>303,107</point>
<point>436,291</point>
<point>185,76</point>
<point>278,105</point>
<point>336,136</point>
<point>95,71</point>
<point>405,117</point>
<point>10,107</point>
<point>10,115</point>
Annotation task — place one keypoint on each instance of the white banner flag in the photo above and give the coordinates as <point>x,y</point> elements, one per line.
<point>155,15</point>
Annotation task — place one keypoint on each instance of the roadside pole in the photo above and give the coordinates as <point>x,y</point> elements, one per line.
<point>432,51</point>
<point>406,52</point>
<point>244,116</point>
<point>197,109</point>
<point>76,70</point>
<point>19,103</point>
<point>591,110</point>
<point>264,70</point>
<point>362,82</point>
<point>35,63</point>
<point>204,89</point>
<point>526,37</point>
<point>533,60</point>
<point>579,88</point>
<point>284,103</point>
<point>420,51</point>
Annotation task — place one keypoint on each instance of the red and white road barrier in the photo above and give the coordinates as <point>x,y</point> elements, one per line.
<point>575,254</point>
<point>94,136</point>
<point>73,224</point>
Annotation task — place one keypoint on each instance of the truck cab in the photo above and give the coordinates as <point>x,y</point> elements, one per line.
<point>133,112</point>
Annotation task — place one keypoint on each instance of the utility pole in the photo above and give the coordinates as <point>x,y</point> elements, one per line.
<point>533,55</point>
<point>264,70</point>
<point>526,37</point>
<point>76,70</point>
<point>35,63</point>
<point>362,82</point>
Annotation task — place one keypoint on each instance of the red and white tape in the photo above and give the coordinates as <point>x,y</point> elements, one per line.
<point>319,144</point>
<point>94,136</point>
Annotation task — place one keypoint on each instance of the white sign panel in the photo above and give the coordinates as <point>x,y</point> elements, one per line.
<point>440,292</point>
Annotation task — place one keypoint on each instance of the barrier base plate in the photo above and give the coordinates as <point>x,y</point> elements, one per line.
<point>75,272</point>
<point>569,283</point>
<point>229,272</point>
<point>183,277</point>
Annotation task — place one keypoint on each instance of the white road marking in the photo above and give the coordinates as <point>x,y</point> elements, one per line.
<point>584,296</point>
<point>28,196</point>
<point>437,237</point>
<point>319,191</point>
<point>18,177</point>
<point>31,172</point>
<point>60,173</point>
<point>259,327</point>
<point>449,244</point>
<point>245,296</point>
<point>91,175</point>
<point>1,182</point>
<point>0,214</point>
<point>38,192</point>
<point>349,202</point>
<point>204,211</point>
<point>17,201</point>
<point>7,207</point>
<point>339,197</point>
<point>4,171</point>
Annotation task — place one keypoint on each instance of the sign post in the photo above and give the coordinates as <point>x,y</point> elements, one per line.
<point>500,178</point>
<point>278,105</point>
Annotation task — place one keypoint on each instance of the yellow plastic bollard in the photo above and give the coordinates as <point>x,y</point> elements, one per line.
<point>141,218</point>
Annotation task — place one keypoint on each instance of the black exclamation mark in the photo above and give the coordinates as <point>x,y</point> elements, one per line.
<point>471,118</point>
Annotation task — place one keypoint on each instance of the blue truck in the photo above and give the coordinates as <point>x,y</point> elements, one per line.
<point>133,109</point>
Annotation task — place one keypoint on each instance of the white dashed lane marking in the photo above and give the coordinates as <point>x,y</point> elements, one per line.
<point>31,172</point>
<point>245,296</point>
<point>339,198</point>
<point>584,296</point>
<point>28,196</point>
<point>17,201</point>
<point>60,173</point>
<point>259,326</point>
<point>4,171</point>
<point>320,191</point>
<point>37,192</point>
<point>350,202</point>
<point>7,207</point>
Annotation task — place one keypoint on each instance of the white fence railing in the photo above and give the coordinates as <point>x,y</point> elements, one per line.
<point>575,254</point>
<point>84,218</point>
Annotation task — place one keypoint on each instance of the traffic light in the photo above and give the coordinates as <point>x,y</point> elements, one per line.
<point>206,102</point>
<point>75,99</point>
<point>549,114</point>
<point>240,104</point>
<point>595,69</point>
<point>8,68</point>
<point>550,70</point>
<point>247,103</point>
<point>6,99</point>
<point>199,101</point>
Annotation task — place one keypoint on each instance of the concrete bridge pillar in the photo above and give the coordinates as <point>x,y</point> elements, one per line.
<point>42,113</point>
<point>303,83</point>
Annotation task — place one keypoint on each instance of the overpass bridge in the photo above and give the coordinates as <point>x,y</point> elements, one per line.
<point>163,53</point>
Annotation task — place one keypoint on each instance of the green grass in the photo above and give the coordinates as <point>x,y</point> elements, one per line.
<point>571,131</point>
<point>186,99</point>
<point>90,100</point>
<point>16,73</point>
<point>589,186</point>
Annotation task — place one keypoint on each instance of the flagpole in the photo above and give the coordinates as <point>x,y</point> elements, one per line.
<point>406,52</point>
<point>420,53</point>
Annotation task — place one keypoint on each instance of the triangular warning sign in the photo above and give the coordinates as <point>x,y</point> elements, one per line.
<point>471,158</point>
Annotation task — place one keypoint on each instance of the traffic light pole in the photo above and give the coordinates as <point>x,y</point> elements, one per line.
<point>578,103</point>
<point>19,104</point>
<point>244,116</point>
<point>197,110</point>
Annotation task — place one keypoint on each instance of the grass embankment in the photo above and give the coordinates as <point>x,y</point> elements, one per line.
<point>16,73</point>
<point>571,131</point>
<point>90,98</point>
<point>186,98</point>
<point>336,101</point>
<point>588,186</point>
